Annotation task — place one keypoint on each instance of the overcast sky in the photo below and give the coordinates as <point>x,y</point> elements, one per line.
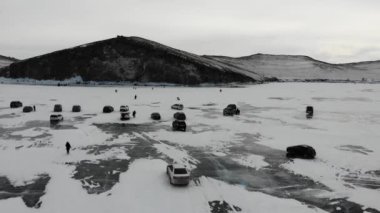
<point>331,30</point>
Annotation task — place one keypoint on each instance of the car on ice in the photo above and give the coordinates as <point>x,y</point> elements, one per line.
<point>55,118</point>
<point>76,108</point>
<point>124,108</point>
<point>57,108</point>
<point>231,110</point>
<point>27,109</point>
<point>309,112</point>
<point>124,116</point>
<point>300,151</point>
<point>15,104</point>
<point>178,174</point>
<point>179,116</point>
<point>155,116</point>
<point>107,109</point>
<point>177,106</point>
<point>178,125</point>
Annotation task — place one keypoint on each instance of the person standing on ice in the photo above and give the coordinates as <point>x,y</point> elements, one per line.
<point>68,147</point>
<point>135,97</point>
<point>34,107</point>
<point>134,113</point>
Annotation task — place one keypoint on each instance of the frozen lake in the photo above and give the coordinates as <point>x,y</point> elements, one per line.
<point>238,163</point>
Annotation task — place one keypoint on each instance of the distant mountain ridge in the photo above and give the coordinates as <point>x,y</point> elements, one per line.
<point>136,59</point>
<point>6,61</point>
<point>297,67</point>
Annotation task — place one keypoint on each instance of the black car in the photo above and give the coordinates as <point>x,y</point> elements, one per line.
<point>76,108</point>
<point>54,119</point>
<point>300,151</point>
<point>107,109</point>
<point>309,112</point>
<point>27,109</point>
<point>57,108</point>
<point>232,106</point>
<point>155,116</point>
<point>179,125</point>
<point>124,116</point>
<point>16,104</point>
<point>231,110</point>
<point>179,116</point>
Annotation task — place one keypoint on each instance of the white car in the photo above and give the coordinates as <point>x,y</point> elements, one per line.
<point>124,108</point>
<point>56,118</point>
<point>177,106</point>
<point>178,174</point>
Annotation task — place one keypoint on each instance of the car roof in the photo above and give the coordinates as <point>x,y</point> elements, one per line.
<point>179,166</point>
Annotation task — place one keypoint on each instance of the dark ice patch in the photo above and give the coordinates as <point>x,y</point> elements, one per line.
<point>99,176</point>
<point>280,98</point>
<point>30,193</point>
<point>369,180</point>
<point>221,206</point>
<point>355,149</point>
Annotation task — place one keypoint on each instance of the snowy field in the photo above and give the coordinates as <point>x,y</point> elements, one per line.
<point>238,163</point>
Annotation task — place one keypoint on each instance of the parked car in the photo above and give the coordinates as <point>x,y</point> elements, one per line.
<point>76,108</point>
<point>124,108</point>
<point>179,116</point>
<point>27,109</point>
<point>177,106</point>
<point>155,116</point>
<point>107,109</point>
<point>15,104</point>
<point>309,112</point>
<point>178,125</point>
<point>124,116</point>
<point>57,108</point>
<point>231,110</point>
<point>178,174</point>
<point>55,118</point>
<point>300,151</point>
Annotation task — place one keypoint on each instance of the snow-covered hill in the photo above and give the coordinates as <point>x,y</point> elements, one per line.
<point>287,67</point>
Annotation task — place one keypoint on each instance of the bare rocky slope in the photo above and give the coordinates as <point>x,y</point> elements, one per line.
<point>127,59</point>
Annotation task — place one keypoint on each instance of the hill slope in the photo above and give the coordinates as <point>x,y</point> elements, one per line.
<point>6,61</point>
<point>127,59</point>
<point>288,67</point>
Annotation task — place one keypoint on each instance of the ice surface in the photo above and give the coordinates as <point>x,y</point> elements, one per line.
<point>239,160</point>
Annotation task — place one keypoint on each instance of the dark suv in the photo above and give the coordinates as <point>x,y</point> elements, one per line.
<point>16,104</point>
<point>178,125</point>
<point>155,116</point>
<point>179,116</point>
<point>231,110</point>
<point>57,108</point>
<point>107,109</point>
<point>76,108</point>
<point>300,151</point>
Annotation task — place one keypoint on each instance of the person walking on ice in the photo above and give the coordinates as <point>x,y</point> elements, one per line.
<point>68,147</point>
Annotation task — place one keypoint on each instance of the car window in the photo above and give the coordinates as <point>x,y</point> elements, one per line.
<point>180,171</point>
